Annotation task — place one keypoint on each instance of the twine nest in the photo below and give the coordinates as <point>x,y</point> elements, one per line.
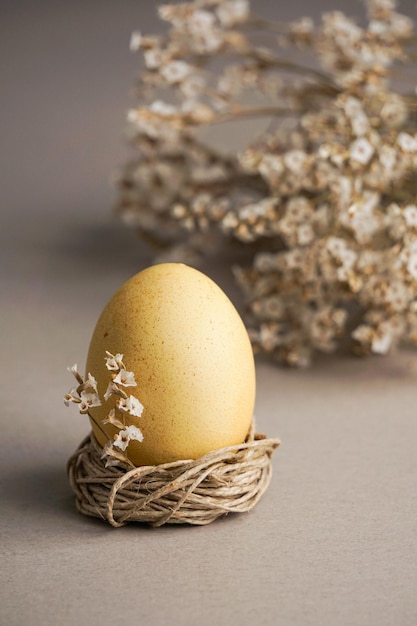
<point>229,480</point>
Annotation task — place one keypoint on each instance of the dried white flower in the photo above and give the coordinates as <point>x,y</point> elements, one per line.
<point>91,383</point>
<point>302,27</point>
<point>163,108</point>
<point>125,378</point>
<point>398,296</point>
<point>112,456</point>
<point>112,390</point>
<point>361,151</point>
<point>114,362</point>
<point>305,234</point>
<point>296,161</point>
<point>113,420</point>
<point>410,216</point>
<point>130,405</point>
<point>88,400</point>
<point>71,396</point>
<point>407,142</point>
<point>175,71</point>
<point>401,26</point>
<point>74,371</point>
<point>135,41</point>
<point>124,437</point>
<point>233,12</point>
<point>382,343</point>
<point>412,264</point>
<point>153,58</point>
<point>394,110</point>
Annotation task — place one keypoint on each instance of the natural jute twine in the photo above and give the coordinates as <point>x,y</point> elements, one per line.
<point>229,480</point>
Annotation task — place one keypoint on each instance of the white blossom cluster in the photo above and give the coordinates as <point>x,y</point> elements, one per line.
<point>86,396</point>
<point>324,200</point>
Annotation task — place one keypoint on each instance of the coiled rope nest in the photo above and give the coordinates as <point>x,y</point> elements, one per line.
<point>229,480</point>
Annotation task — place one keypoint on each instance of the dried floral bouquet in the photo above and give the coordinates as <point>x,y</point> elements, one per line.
<point>324,199</point>
<point>85,396</point>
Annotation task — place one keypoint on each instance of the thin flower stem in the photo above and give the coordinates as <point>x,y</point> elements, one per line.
<point>255,112</point>
<point>411,100</point>
<point>261,24</point>
<point>273,61</point>
<point>99,426</point>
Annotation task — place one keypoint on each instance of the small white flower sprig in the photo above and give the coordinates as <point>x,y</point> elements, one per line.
<point>86,396</point>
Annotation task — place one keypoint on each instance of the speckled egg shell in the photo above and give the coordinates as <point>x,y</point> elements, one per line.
<point>192,360</point>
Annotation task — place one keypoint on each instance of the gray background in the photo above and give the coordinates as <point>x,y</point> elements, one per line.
<point>333,542</point>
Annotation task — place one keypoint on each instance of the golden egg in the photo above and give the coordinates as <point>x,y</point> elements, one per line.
<point>191,356</point>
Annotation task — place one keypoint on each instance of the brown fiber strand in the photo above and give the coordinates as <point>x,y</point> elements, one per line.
<point>229,480</point>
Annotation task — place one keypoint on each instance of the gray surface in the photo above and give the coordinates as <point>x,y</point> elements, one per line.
<point>334,540</point>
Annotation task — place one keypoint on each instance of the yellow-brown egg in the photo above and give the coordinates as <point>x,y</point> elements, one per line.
<point>192,359</point>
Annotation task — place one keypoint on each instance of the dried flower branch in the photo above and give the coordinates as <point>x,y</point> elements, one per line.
<point>86,396</point>
<point>324,201</point>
